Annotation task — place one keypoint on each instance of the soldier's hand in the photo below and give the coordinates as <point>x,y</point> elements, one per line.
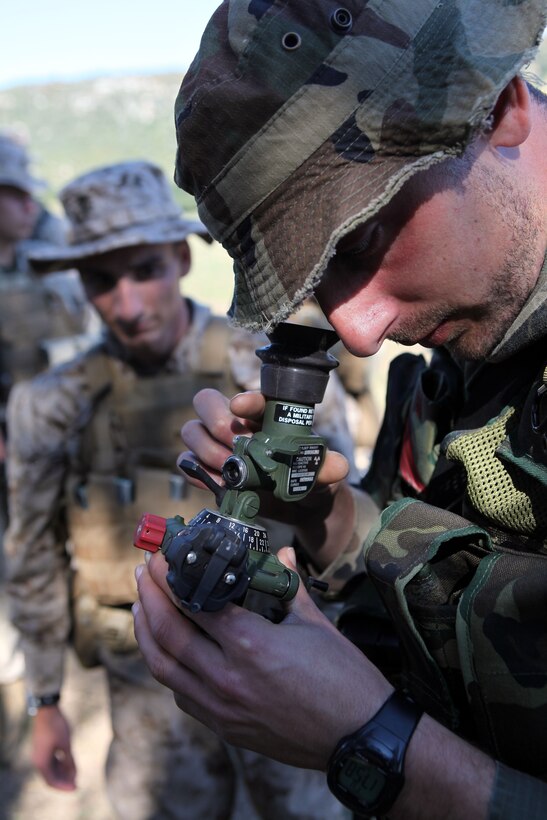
<point>286,690</point>
<point>51,748</point>
<point>210,439</point>
<point>210,435</point>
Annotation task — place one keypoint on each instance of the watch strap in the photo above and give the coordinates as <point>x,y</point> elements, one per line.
<point>35,702</point>
<point>393,725</point>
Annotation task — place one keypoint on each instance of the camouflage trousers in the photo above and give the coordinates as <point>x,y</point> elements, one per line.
<point>13,713</point>
<point>162,764</point>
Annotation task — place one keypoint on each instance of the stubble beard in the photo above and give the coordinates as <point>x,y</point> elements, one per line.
<point>511,284</point>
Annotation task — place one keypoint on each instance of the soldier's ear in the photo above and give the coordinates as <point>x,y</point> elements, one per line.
<point>512,117</point>
<point>184,255</point>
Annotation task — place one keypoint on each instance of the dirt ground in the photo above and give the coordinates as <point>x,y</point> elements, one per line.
<point>24,795</point>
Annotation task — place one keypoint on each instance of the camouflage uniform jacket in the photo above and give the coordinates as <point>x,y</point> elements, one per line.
<point>49,419</point>
<point>75,501</point>
<point>459,556</point>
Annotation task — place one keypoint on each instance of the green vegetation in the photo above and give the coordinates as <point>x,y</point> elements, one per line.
<point>211,278</point>
<point>73,127</point>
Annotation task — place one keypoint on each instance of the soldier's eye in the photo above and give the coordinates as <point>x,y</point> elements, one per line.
<point>365,241</point>
<point>97,283</point>
<point>154,269</point>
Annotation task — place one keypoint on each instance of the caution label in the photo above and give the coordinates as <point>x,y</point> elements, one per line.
<point>304,468</point>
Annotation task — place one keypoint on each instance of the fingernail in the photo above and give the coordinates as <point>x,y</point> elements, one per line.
<point>135,608</point>
<point>147,556</point>
<point>292,555</point>
<point>138,571</point>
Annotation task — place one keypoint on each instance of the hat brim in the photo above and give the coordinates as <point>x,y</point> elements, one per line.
<point>29,185</point>
<point>159,232</point>
<point>270,284</point>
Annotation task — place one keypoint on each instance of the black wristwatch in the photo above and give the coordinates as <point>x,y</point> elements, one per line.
<point>35,702</point>
<point>365,771</point>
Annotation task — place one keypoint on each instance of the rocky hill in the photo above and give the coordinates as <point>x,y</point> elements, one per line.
<point>72,127</point>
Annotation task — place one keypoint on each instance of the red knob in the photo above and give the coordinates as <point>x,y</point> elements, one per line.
<point>150,531</point>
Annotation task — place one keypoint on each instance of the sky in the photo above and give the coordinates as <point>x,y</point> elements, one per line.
<point>69,40</point>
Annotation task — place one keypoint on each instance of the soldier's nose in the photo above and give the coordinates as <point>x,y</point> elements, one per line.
<point>128,301</point>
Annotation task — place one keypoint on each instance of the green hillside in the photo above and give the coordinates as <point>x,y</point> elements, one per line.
<point>75,126</point>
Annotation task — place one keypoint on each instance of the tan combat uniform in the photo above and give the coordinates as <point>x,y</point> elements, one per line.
<point>35,311</point>
<point>42,319</point>
<point>92,447</point>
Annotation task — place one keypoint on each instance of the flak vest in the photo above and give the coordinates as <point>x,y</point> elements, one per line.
<point>459,556</point>
<point>126,466</point>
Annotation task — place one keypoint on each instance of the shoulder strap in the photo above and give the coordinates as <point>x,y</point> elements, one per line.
<point>94,422</point>
<point>98,373</point>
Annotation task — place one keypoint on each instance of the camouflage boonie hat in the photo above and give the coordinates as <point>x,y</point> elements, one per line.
<point>299,119</point>
<point>14,166</point>
<point>113,207</point>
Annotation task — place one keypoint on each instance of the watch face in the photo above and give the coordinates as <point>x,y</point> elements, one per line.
<point>365,771</point>
<point>363,782</point>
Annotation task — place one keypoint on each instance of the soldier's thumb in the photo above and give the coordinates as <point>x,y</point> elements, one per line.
<point>302,606</point>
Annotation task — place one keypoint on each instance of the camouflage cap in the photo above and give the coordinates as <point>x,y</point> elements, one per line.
<point>14,165</point>
<point>299,119</point>
<point>116,206</point>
